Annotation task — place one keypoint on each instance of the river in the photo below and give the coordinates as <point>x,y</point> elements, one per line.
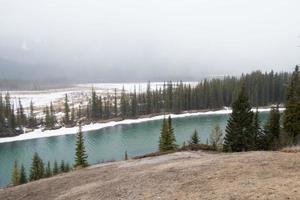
<point>106,144</point>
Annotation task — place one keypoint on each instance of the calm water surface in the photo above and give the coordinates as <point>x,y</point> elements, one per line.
<point>105,144</point>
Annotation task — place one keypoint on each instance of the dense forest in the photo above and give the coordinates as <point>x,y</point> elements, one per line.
<point>263,89</point>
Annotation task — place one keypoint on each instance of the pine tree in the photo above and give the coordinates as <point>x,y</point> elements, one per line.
<point>32,119</point>
<point>48,171</point>
<point>62,166</point>
<point>167,139</point>
<point>15,178</point>
<point>80,155</point>
<point>37,168</point>
<point>23,176</point>
<point>55,168</point>
<point>239,131</point>
<point>195,138</point>
<point>48,120</point>
<point>291,121</point>
<point>124,104</point>
<point>94,106</point>
<point>115,104</point>
<point>126,155</point>
<point>21,115</point>
<point>272,129</point>
<point>67,111</point>
<point>72,121</point>
<point>258,134</point>
<point>52,115</point>
<point>134,105</point>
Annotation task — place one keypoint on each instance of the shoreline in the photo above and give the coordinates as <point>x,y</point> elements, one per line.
<point>38,133</point>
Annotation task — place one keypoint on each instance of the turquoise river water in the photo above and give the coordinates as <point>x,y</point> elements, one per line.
<point>107,143</point>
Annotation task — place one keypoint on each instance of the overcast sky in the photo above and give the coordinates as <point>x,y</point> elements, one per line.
<point>150,39</point>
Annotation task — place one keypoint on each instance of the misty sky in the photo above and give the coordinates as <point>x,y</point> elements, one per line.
<point>148,39</point>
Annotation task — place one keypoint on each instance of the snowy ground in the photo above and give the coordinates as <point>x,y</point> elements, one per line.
<point>38,133</point>
<point>77,93</point>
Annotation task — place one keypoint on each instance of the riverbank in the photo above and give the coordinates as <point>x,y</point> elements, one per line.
<point>38,133</point>
<point>180,175</point>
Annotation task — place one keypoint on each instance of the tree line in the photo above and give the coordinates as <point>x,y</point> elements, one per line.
<point>262,88</point>
<point>39,170</point>
<point>173,97</point>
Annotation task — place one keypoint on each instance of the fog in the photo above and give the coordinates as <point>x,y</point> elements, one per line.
<point>117,40</point>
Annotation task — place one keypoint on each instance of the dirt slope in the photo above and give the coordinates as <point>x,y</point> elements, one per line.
<point>182,175</point>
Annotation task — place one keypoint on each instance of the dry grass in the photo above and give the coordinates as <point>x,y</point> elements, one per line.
<point>181,175</point>
<point>291,149</point>
<point>191,147</point>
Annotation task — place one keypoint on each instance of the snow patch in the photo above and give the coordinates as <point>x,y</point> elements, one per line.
<point>38,133</point>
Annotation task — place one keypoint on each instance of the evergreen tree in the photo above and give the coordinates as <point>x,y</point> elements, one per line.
<point>48,171</point>
<point>134,105</point>
<point>124,104</point>
<point>195,138</point>
<point>32,118</point>
<point>67,111</point>
<point>37,168</point>
<point>115,104</point>
<point>239,132</point>
<point>48,120</point>
<point>272,129</point>
<point>148,99</point>
<point>126,155</point>
<point>52,115</point>
<point>15,179</point>
<point>23,176</point>
<point>167,139</point>
<point>94,106</point>
<point>62,166</point>
<point>80,155</point>
<point>258,133</point>
<point>291,121</point>
<point>21,117</point>
<point>55,168</point>
<point>79,113</point>
<point>72,121</point>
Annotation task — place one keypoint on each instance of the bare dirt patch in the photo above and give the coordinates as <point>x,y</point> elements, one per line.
<point>180,175</point>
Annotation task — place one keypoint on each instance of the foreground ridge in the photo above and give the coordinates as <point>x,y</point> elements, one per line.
<point>180,175</point>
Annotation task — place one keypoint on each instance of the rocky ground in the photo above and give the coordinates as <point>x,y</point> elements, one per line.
<point>181,175</point>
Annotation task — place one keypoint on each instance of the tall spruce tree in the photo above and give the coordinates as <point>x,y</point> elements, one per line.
<point>37,168</point>
<point>67,111</point>
<point>239,131</point>
<point>80,155</point>
<point>167,139</point>
<point>291,121</point>
<point>272,129</point>
<point>257,131</point>
<point>258,134</point>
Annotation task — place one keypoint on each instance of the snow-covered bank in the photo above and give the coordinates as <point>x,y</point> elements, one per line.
<point>96,126</point>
